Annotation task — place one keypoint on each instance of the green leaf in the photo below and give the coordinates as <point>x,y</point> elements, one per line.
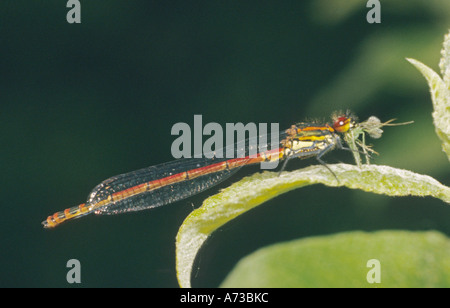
<point>255,190</point>
<point>406,259</point>
<point>440,94</point>
<point>444,64</point>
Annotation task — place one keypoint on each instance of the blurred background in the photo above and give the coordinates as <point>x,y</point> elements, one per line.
<point>83,102</point>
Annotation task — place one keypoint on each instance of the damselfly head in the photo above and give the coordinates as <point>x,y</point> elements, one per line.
<point>343,122</point>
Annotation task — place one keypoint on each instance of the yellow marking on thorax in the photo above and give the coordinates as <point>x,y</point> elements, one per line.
<point>297,145</point>
<point>272,157</point>
<point>312,138</point>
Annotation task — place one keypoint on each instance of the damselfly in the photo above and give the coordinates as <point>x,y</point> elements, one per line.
<point>169,182</point>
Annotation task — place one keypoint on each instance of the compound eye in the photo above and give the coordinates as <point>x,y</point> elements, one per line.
<point>342,124</point>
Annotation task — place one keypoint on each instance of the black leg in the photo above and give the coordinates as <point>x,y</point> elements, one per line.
<point>319,159</point>
<point>284,164</point>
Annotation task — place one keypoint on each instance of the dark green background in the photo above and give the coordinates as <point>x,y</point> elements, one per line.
<point>83,102</point>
